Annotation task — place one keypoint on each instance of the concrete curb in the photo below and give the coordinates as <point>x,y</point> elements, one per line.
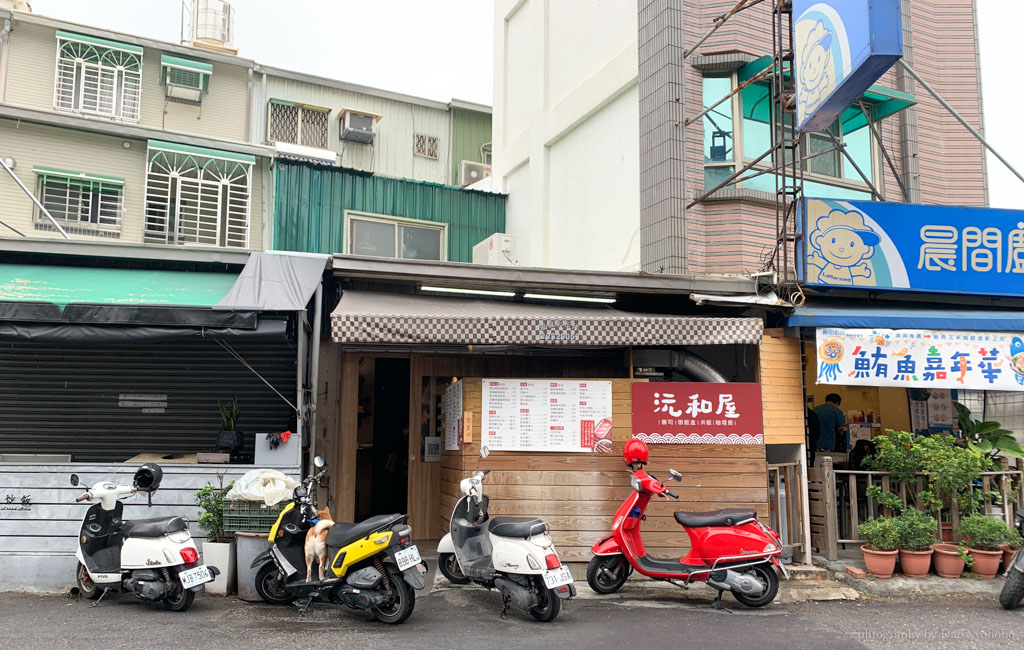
<point>898,585</point>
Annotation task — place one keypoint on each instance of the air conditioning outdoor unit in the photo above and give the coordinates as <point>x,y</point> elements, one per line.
<point>357,126</point>
<point>470,172</point>
<point>498,249</point>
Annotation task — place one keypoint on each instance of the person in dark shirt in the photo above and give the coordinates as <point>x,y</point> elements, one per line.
<point>830,419</point>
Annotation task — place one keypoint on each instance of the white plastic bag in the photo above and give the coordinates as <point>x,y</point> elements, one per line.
<point>267,485</point>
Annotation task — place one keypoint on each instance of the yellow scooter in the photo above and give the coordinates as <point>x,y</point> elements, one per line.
<point>372,565</point>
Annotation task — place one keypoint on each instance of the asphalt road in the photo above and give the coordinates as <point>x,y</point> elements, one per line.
<point>469,618</point>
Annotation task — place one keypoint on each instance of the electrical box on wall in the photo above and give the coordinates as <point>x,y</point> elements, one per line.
<point>498,249</point>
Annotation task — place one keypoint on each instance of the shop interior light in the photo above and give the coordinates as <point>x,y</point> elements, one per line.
<point>475,292</point>
<point>550,296</point>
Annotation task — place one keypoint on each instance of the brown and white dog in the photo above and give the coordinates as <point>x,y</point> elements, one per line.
<point>316,543</point>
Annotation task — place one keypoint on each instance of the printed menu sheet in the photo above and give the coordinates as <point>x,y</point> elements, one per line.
<point>451,413</point>
<point>547,415</point>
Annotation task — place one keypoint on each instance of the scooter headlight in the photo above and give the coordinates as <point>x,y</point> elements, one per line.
<point>635,482</point>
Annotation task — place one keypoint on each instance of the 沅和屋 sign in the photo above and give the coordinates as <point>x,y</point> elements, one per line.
<point>920,358</point>
<point>697,413</point>
<point>932,248</point>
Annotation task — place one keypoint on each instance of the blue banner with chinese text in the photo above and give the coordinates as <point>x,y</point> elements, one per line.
<point>935,248</point>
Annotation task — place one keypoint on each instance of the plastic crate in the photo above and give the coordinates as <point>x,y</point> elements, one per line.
<point>250,516</point>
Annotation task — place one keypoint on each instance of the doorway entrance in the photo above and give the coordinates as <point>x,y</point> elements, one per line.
<point>382,471</point>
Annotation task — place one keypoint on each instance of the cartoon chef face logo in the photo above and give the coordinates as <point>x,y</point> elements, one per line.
<point>840,247</point>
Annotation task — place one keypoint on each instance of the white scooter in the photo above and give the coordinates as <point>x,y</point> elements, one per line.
<point>515,555</point>
<point>155,559</point>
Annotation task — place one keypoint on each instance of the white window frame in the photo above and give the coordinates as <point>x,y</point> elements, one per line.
<point>426,146</point>
<point>351,215</point>
<point>95,185</point>
<point>97,80</point>
<point>301,109</point>
<point>197,200</point>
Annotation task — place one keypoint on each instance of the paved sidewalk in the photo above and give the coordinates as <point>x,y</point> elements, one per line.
<point>898,585</point>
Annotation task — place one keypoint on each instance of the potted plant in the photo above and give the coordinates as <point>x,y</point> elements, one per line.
<point>882,537</point>
<point>1013,542</point>
<point>219,548</point>
<point>229,438</point>
<point>916,535</point>
<point>983,536</point>
<point>950,559</point>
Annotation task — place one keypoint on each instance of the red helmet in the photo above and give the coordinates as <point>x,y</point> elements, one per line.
<point>635,451</point>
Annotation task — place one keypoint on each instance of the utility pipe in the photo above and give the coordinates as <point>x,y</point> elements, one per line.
<point>3,163</point>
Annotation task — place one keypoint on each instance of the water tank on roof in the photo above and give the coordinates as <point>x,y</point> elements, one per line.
<point>213,25</point>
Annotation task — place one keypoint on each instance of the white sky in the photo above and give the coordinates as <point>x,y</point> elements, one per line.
<point>443,49</point>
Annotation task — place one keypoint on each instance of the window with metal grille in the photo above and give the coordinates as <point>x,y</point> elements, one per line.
<point>197,199</point>
<point>98,80</point>
<point>297,124</point>
<point>79,202</point>
<point>410,239</point>
<point>427,146</point>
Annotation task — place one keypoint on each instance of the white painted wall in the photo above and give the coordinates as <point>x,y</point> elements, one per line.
<point>566,131</point>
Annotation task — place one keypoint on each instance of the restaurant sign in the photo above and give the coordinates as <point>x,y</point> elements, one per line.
<point>920,358</point>
<point>935,248</point>
<point>697,413</point>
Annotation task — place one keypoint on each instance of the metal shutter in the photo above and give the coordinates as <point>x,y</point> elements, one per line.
<point>91,402</point>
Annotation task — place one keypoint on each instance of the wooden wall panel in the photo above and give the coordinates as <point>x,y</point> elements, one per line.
<point>781,376</point>
<point>578,494</point>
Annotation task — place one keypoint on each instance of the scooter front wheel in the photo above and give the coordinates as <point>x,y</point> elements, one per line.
<point>765,574</point>
<point>607,573</point>
<point>270,585</point>
<point>86,586</point>
<point>451,570</point>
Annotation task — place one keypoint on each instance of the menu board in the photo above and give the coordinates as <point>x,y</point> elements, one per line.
<point>547,415</point>
<point>451,413</point>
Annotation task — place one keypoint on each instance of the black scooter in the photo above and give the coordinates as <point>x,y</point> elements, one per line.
<point>1013,590</point>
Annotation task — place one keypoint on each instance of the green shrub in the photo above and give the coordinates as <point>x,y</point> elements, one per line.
<point>881,534</point>
<point>211,520</point>
<point>984,533</point>
<point>916,530</point>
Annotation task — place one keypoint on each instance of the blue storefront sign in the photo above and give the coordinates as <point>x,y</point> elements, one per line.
<point>841,48</point>
<point>933,248</point>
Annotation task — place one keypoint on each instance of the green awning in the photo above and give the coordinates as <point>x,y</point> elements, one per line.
<point>168,61</point>
<point>65,285</point>
<point>100,42</point>
<point>49,171</point>
<point>884,101</point>
<point>201,151</point>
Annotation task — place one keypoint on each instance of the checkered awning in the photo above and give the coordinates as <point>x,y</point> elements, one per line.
<point>368,317</point>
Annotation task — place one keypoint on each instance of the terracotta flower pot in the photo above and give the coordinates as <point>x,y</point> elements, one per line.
<point>879,563</point>
<point>948,563</point>
<point>915,564</point>
<point>1008,553</point>
<point>986,563</point>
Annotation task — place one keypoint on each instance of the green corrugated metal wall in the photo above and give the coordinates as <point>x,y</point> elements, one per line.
<point>470,131</point>
<point>310,203</point>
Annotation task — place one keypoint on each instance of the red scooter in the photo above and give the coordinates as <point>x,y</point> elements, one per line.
<point>729,549</point>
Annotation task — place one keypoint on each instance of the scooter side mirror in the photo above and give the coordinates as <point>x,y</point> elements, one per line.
<point>484,452</point>
<point>673,475</point>
<point>74,480</point>
<point>319,462</point>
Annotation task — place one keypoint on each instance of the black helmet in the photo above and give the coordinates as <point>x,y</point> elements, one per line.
<point>148,477</point>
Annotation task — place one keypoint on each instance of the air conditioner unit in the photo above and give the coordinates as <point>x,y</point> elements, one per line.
<point>498,249</point>
<point>357,126</point>
<point>470,172</point>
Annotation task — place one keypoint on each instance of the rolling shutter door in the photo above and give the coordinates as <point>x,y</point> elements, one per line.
<point>107,404</point>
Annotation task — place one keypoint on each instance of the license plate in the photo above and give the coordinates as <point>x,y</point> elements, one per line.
<point>195,577</point>
<point>407,558</point>
<point>557,577</point>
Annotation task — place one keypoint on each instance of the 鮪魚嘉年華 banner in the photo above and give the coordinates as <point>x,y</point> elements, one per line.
<point>920,358</point>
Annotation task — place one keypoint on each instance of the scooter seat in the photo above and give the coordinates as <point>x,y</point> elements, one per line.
<point>517,526</point>
<point>152,527</point>
<point>342,534</point>
<point>723,517</point>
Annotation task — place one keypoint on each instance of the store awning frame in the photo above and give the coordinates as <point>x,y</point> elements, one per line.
<point>917,318</point>
<point>366,317</point>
